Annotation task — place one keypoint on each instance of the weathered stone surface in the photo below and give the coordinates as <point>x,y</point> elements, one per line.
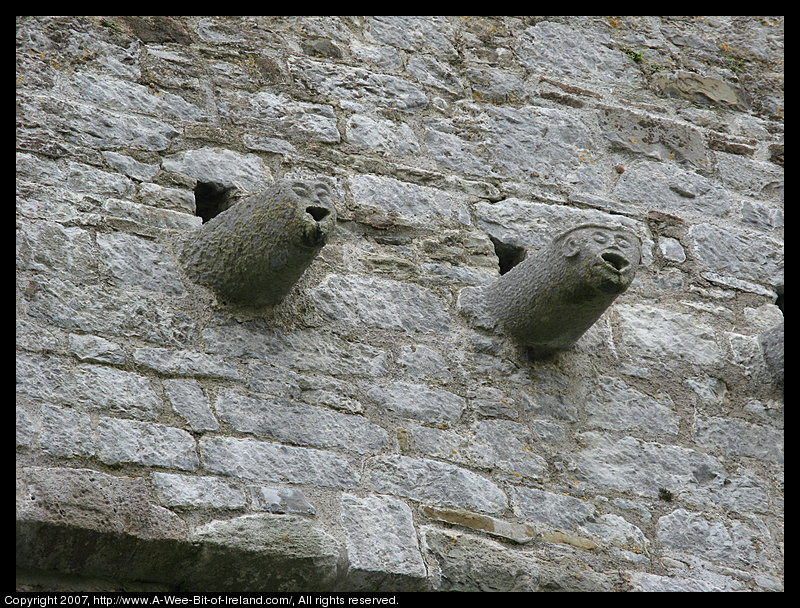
<point>145,217</point>
<point>76,176</point>
<point>517,142</point>
<point>145,443</point>
<point>422,362</point>
<point>507,446</point>
<point>188,492</point>
<point>381,303</point>
<point>108,311</point>
<point>126,96</point>
<point>356,88</point>
<point>618,407</point>
<point>764,180</point>
<point>51,247</point>
<point>282,500</point>
<point>132,261</point>
<point>420,402</point>
<point>551,510</point>
<point>381,136</point>
<point>641,467</point>
<point>413,203</point>
<point>382,548</point>
<point>191,403</point>
<point>95,349</point>
<point>736,544</point>
<point>533,225</point>
<point>282,116</point>
<point>303,350</point>
<point>659,334</point>
<point>573,51</point>
<point>229,169</point>
<point>299,423</point>
<point>737,437</point>
<point>65,432</point>
<point>654,583</point>
<point>517,532</point>
<point>653,137</point>
<point>772,344</point>
<point>94,127</point>
<point>132,168</point>
<point>266,461</point>
<point>93,387</point>
<point>501,445</point>
<point>185,363</point>
<point>284,552</point>
<point>468,563</point>
<point>737,253</point>
<point>435,483</point>
<point>614,531</point>
<point>410,33</point>
<point>668,188</point>
<point>90,499</point>
<point>672,249</point>
<point>700,89</point>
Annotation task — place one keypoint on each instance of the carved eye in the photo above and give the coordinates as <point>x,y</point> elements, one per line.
<point>622,242</point>
<point>600,237</point>
<point>300,189</point>
<point>322,193</point>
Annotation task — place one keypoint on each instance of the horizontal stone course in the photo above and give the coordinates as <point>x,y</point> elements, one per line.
<point>266,461</point>
<point>434,482</point>
<point>299,423</point>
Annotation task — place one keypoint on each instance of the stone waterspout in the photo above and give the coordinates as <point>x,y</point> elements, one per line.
<point>549,300</point>
<point>255,251</point>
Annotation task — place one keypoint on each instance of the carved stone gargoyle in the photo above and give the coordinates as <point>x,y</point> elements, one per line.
<point>255,251</point>
<point>547,301</point>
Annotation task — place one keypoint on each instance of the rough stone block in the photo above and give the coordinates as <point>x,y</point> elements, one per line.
<point>420,402</point>
<point>435,483</point>
<point>191,403</point>
<point>299,423</point>
<point>84,498</point>
<point>382,548</point>
<point>381,303</point>
<point>265,461</point>
<point>148,444</point>
<point>198,492</point>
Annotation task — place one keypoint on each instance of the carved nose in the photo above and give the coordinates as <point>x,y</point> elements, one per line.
<point>318,213</point>
<point>618,262</point>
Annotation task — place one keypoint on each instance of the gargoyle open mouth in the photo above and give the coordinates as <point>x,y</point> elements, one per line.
<point>315,232</point>
<point>615,260</point>
<point>318,213</point>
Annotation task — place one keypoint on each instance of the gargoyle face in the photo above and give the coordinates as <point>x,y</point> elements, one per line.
<point>316,210</point>
<point>610,255</point>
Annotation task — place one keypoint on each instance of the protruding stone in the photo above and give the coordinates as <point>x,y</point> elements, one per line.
<point>254,252</point>
<point>549,300</point>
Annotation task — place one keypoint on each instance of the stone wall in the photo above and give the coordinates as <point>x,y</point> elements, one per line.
<point>363,434</point>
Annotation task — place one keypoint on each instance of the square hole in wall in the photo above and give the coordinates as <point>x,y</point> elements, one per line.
<point>508,255</point>
<point>211,199</point>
